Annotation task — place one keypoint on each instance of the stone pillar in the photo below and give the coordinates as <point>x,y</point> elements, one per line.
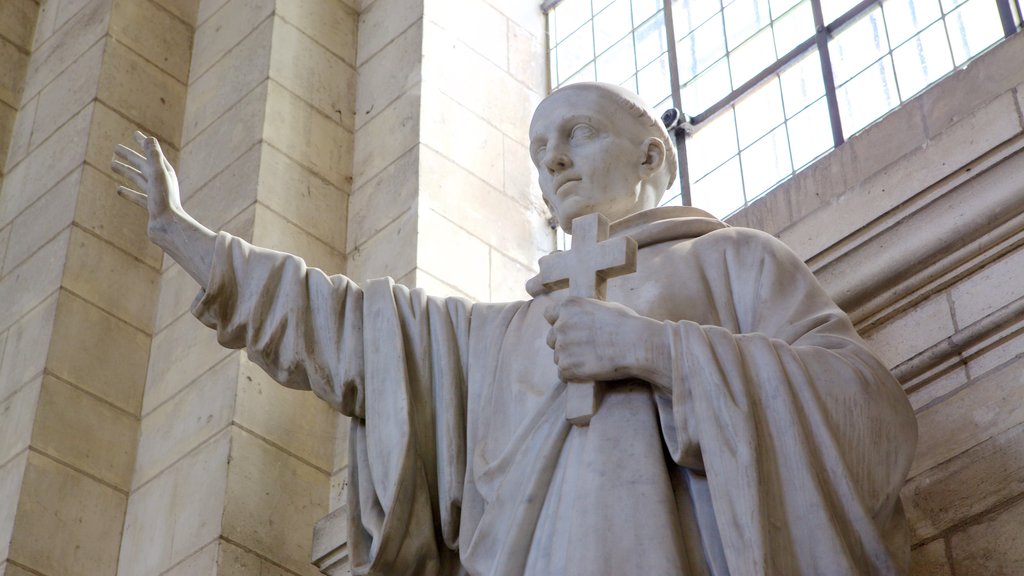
<point>78,277</point>
<point>232,470</point>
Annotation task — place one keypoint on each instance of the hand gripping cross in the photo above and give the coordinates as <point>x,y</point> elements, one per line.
<point>585,269</point>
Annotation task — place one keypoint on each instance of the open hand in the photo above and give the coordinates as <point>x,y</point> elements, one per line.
<point>154,178</point>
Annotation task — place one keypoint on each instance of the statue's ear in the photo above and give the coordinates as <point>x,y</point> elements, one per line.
<point>654,157</point>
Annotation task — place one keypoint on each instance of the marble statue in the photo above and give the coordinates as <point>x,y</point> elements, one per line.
<point>739,423</point>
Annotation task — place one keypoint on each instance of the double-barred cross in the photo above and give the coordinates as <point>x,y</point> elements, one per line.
<point>584,270</point>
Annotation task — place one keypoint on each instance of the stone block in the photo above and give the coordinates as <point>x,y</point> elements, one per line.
<point>142,92</point>
<point>295,420</point>
<point>229,80</point>
<point>26,347</point>
<point>487,35</point>
<point>21,134</point>
<point>976,413</point>
<point>31,282</point>
<point>110,128</point>
<point>180,353</point>
<point>103,213</point>
<point>390,252</point>
<point>111,279</point>
<point>228,193</point>
<point>8,116</point>
<point>273,501</point>
<point>73,89</point>
<point>55,52</point>
<point>11,474</point>
<point>878,145</point>
<point>392,72</point>
<point>18,21</point>
<point>85,513</point>
<point>308,137</point>
<point>207,8</point>
<point>508,278</point>
<point>234,561</point>
<point>17,415</point>
<point>148,527</point>
<point>97,352</point>
<point>187,420</point>
<point>230,136</point>
<point>177,291</point>
<point>992,547</point>
<point>527,57</point>
<point>313,73</point>
<point>1008,347</point>
<point>526,14</point>
<point>462,136</point>
<point>86,433</point>
<point>989,289</point>
<point>382,21</point>
<point>155,34</point>
<point>383,198</point>
<point>339,488</point>
<point>224,30</point>
<point>45,23</point>
<point>332,24</point>
<point>5,236</point>
<point>433,285</point>
<point>521,180</point>
<point>930,560</point>
<point>12,73</point>
<point>67,9</point>
<point>449,252</point>
<point>966,485</point>
<point>186,10</point>
<point>911,332</point>
<point>42,220</point>
<point>341,429</point>
<point>937,388</point>
<point>202,563</point>
<point>386,137</point>
<point>302,197</point>
<point>273,231</point>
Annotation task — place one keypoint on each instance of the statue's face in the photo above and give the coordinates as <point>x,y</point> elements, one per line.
<point>588,154</point>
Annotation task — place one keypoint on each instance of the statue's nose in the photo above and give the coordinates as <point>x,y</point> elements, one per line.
<point>557,161</point>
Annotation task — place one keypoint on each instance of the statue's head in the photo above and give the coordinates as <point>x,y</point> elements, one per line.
<point>599,148</point>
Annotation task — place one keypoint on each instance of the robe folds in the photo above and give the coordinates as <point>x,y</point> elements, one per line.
<point>781,449</point>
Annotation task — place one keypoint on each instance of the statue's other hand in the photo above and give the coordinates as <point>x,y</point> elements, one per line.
<point>156,185</point>
<point>601,341</point>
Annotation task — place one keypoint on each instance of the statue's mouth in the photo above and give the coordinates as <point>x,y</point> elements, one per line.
<point>561,183</point>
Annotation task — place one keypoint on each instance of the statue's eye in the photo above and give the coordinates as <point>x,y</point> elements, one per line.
<point>581,132</point>
<point>538,153</point>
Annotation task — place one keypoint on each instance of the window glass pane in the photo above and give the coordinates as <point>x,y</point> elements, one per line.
<point>793,28</point>
<point>553,67</point>
<point>752,57</point>
<point>688,15</point>
<point>651,40</point>
<point>904,18</point>
<point>644,9</point>
<point>743,18</point>
<point>802,82</point>
<point>611,25</point>
<point>810,133</point>
<point>575,51</point>
<point>721,192</point>
<point>779,7</point>
<point>569,16</point>
<point>629,84</point>
<point>600,4</point>
<point>867,97</point>
<point>701,48</point>
<point>857,45</point>
<point>758,112</point>
<point>711,144</point>
<point>832,9</point>
<point>584,75</point>
<point>617,63</point>
<point>765,163</point>
<point>672,196</point>
<point>948,5</point>
<point>653,81</point>
<point>706,89</point>
<point>972,28</point>
<point>922,60</point>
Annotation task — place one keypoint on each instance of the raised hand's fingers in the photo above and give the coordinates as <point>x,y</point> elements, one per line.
<point>137,198</point>
<point>128,172</point>
<point>129,157</point>
<point>551,339</point>
<point>551,313</point>
<point>140,138</point>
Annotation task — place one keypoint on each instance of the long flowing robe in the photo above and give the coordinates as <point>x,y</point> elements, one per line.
<point>780,450</point>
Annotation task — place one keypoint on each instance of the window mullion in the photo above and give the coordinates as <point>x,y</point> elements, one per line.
<point>821,37</point>
<point>677,102</point>
<point>1006,16</point>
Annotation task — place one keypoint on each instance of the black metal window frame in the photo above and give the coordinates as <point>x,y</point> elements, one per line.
<point>1009,14</point>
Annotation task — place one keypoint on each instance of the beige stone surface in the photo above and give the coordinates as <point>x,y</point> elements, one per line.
<point>527,57</point>
<point>312,72</point>
<point>332,24</point>
<point>21,133</point>
<point>1009,347</point>
<point>18,21</point>
<point>187,420</point>
<point>487,34</point>
<point>273,231</point>
<point>42,221</point>
<point>244,67</point>
<point>202,563</point>
<point>508,278</point>
<point>224,30</point>
<point>229,192</point>
<point>525,14</point>
<point>155,34</point>
<point>141,91</point>
<point>462,136</point>
<point>97,352</point>
<point>913,331</point>
<point>272,501</point>
<point>447,251</point>
<point>17,413</point>
<point>186,10</point>
<point>930,560</point>
<point>433,285</point>
<point>383,198</point>
<point>45,22</point>
<point>291,190</point>
<point>110,128</point>
<point>234,561</point>
<point>390,73</point>
<point>295,420</point>
<point>521,182</point>
<point>386,137</point>
<point>8,116</point>
<point>391,252</point>
<point>67,9</point>
<point>383,20</point>
<point>967,485</point>
<point>13,72</point>
<point>26,346</point>
<point>11,474</point>
<point>57,500</point>
<point>177,290</point>
<point>992,547</point>
<point>8,569</point>
<point>972,415</point>
<point>85,432</point>
<point>938,388</point>
<point>208,8</point>
<point>312,139</point>
<point>54,52</point>
<point>148,528</point>
<point>989,289</point>
<point>31,282</point>
<point>103,213</point>
<point>69,92</point>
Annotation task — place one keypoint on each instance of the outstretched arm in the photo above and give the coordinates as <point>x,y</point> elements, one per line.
<point>187,241</point>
